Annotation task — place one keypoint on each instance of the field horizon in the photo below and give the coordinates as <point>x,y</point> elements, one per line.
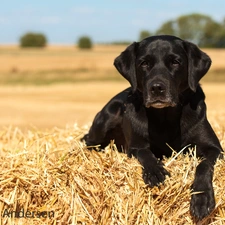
<point>68,64</point>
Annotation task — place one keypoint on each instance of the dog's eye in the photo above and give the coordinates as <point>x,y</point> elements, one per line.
<point>175,62</point>
<point>144,64</point>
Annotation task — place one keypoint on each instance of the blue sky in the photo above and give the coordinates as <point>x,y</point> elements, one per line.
<point>63,22</point>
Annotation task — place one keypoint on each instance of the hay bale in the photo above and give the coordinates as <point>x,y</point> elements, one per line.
<point>49,177</point>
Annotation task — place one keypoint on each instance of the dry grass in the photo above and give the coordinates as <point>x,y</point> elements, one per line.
<point>69,64</point>
<point>53,58</point>
<point>53,172</point>
<point>58,105</point>
<point>55,105</point>
<point>57,64</point>
<point>70,57</point>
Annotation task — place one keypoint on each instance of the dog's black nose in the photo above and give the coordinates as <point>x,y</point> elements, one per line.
<point>157,88</point>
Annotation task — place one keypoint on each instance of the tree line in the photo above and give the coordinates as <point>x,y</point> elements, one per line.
<point>197,28</point>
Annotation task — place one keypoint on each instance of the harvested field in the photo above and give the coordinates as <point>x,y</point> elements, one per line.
<point>61,105</point>
<point>56,64</point>
<point>56,105</point>
<point>49,177</point>
<point>54,174</point>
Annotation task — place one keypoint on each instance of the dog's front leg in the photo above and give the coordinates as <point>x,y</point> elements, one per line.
<point>135,127</point>
<point>198,131</point>
<point>153,171</point>
<point>202,198</point>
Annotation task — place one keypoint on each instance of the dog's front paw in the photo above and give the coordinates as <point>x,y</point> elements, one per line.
<point>90,144</point>
<point>154,174</point>
<point>84,138</point>
<point>202,203</point>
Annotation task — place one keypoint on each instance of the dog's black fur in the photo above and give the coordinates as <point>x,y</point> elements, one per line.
<point>164,105</point>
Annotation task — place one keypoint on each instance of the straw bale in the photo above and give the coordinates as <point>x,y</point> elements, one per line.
<point>50,177</point>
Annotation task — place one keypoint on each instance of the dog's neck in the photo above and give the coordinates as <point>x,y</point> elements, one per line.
<point>190,97</point>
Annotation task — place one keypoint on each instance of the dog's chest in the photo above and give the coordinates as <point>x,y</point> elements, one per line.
<point>164,127</point>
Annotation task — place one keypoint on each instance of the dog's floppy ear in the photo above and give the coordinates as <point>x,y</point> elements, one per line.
<point>198,64</point>
<point>125,64</point>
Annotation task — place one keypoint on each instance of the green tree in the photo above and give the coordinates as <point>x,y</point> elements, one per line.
<point>167,28</point>
<point>214,35</point>
<point>33,40</point>
<point>144,34</point>
<point>191,27</point>
<point>198,28</point>
<point>85,42</point>
<point>223,23</point>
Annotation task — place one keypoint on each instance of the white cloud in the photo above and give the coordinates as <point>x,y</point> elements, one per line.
<point>4,20</point>
<point>83,10</point>
<point>50,20</point>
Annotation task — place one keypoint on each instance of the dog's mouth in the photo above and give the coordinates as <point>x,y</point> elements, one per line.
<point>159,104</point>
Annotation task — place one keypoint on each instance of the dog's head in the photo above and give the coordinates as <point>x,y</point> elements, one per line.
<point>162,67</point>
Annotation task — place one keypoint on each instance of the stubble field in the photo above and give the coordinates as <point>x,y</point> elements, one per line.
<point>48,100</point>
<point>63,85</point>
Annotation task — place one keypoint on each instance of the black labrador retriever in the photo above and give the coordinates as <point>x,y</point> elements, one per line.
<point>164,106</point>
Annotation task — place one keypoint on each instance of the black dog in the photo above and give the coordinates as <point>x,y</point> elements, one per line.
<point>164,105</point>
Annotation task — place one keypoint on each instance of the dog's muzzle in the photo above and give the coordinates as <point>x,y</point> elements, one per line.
<point>158,96</point>
<point>159,104</point>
